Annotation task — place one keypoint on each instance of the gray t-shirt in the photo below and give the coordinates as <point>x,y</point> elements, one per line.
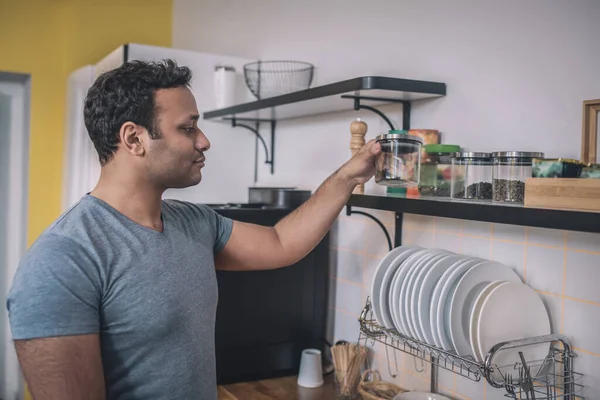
<point>151,296</point>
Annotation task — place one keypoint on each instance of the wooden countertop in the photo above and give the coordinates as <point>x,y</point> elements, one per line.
<point>285,388</point>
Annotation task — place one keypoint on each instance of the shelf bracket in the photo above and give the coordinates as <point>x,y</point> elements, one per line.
<point>406,109</point>
<point>349,212</point>
<point>255,130</point>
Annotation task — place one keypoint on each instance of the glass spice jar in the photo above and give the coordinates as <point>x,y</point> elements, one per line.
<point>399,161</point>
<point>436,170</point>
<point>472,176</point>
<point>511,169</point>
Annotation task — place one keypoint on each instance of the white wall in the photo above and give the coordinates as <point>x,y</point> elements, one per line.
<point>517,71</point>
<point>517,74</point>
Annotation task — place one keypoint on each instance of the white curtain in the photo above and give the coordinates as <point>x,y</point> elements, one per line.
<point>81,168</point>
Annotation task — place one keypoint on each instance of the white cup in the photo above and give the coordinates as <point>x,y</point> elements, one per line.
<point>311,369</point>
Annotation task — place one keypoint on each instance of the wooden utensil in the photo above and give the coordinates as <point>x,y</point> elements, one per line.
<point>348,359</point>
<point>358,130</point>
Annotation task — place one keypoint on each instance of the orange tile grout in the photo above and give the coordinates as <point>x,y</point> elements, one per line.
<point>434,231</point>
<point>484,390</point>
<point>347,281</point>
<point>586,352</point>
<point>596,253</point>
<point>525,254</point>
<point>547,293</point>
<point>564,282</point>
<point>360,253</point>
<point>491,241</point>
<point>345,312</point>
<point>592,303</point>
<point>447,232</point>
<point>454,381</point>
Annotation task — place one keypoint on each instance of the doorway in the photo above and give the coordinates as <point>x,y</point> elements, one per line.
<point>14,180</point>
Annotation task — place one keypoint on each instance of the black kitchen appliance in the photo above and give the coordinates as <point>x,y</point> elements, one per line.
<point>266,318</point>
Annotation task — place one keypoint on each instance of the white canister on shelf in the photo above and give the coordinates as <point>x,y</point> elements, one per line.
<point>225,78</point>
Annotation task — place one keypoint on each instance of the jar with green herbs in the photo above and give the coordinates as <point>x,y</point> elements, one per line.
<point>511,169</point>
<point>436,170</point>
<point>472,176</point>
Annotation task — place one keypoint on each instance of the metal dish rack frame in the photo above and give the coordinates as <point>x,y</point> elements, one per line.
<point>554,379</point>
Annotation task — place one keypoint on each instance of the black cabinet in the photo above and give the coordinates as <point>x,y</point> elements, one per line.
<point>266,318</point>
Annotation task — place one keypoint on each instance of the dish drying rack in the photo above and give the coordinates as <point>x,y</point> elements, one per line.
<point>548,379</point>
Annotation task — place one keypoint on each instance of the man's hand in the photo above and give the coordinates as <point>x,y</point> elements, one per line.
<point>258,247</point>
<point>361,167</point>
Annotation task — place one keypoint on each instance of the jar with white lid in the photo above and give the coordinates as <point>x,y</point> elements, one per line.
<point>472,176</point>
<point>511,169</point>
<point>399,162</point>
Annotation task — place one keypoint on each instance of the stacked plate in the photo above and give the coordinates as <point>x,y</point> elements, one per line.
<point>458,303</point>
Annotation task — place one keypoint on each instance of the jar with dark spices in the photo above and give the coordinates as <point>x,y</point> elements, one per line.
<point>472,176</point>
<point>436,170</point>
<point>511,169</point>
<point>400,159</point>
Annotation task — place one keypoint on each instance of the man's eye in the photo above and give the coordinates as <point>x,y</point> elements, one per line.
<point>189,129</point>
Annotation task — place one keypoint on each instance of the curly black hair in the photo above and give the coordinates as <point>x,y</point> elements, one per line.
<point>124,94</point>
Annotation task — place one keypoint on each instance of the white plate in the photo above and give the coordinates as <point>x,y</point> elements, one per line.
<point>415,291</point>
<point>435,299</point>
<point>420,396</point>
<point>394,294</point>
<point>474,340</point>
<point>523,308</point>
<point>411,262</point>
<point>378,278</point>
<point>469,286</point>
<point>443,309</point>
<point>406,292</point>
<point>384,287</point>
<point>425,293</point>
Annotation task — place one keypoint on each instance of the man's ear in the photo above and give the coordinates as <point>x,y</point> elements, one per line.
<point>131,138</point>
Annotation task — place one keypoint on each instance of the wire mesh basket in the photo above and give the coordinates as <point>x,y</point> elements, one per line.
<point>274,78</point>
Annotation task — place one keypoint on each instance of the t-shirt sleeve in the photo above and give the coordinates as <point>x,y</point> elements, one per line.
<point>219,226</point>
<point>222,229</point>
<point>56,291</point>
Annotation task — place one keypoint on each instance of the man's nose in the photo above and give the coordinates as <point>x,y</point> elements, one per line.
<point>203,143</point>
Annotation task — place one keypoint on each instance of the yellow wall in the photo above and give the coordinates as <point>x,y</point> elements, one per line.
<point>50,38</point>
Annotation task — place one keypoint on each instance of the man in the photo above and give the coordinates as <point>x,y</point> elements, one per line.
<point>117,298</point>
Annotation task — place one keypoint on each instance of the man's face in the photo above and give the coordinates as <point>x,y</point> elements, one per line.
<point>176,159</point>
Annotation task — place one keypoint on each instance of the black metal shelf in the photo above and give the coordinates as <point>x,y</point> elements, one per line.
<point>328,98</point>
<point>351,94</point>
<point>479,211</point>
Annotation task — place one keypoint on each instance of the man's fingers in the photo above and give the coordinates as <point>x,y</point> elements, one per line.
<point>371,147</point>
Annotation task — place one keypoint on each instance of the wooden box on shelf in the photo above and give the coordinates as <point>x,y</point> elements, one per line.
<point>563,193</point>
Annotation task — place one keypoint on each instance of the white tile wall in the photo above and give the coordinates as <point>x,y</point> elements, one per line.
<point>511,254</point>
<point>564,267</point>
<point>583,241</point>
<point>448,241</point>
<point>350,266</point>
<point>512,233</point>
<point>545,268</point>
<point>583,276</point>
